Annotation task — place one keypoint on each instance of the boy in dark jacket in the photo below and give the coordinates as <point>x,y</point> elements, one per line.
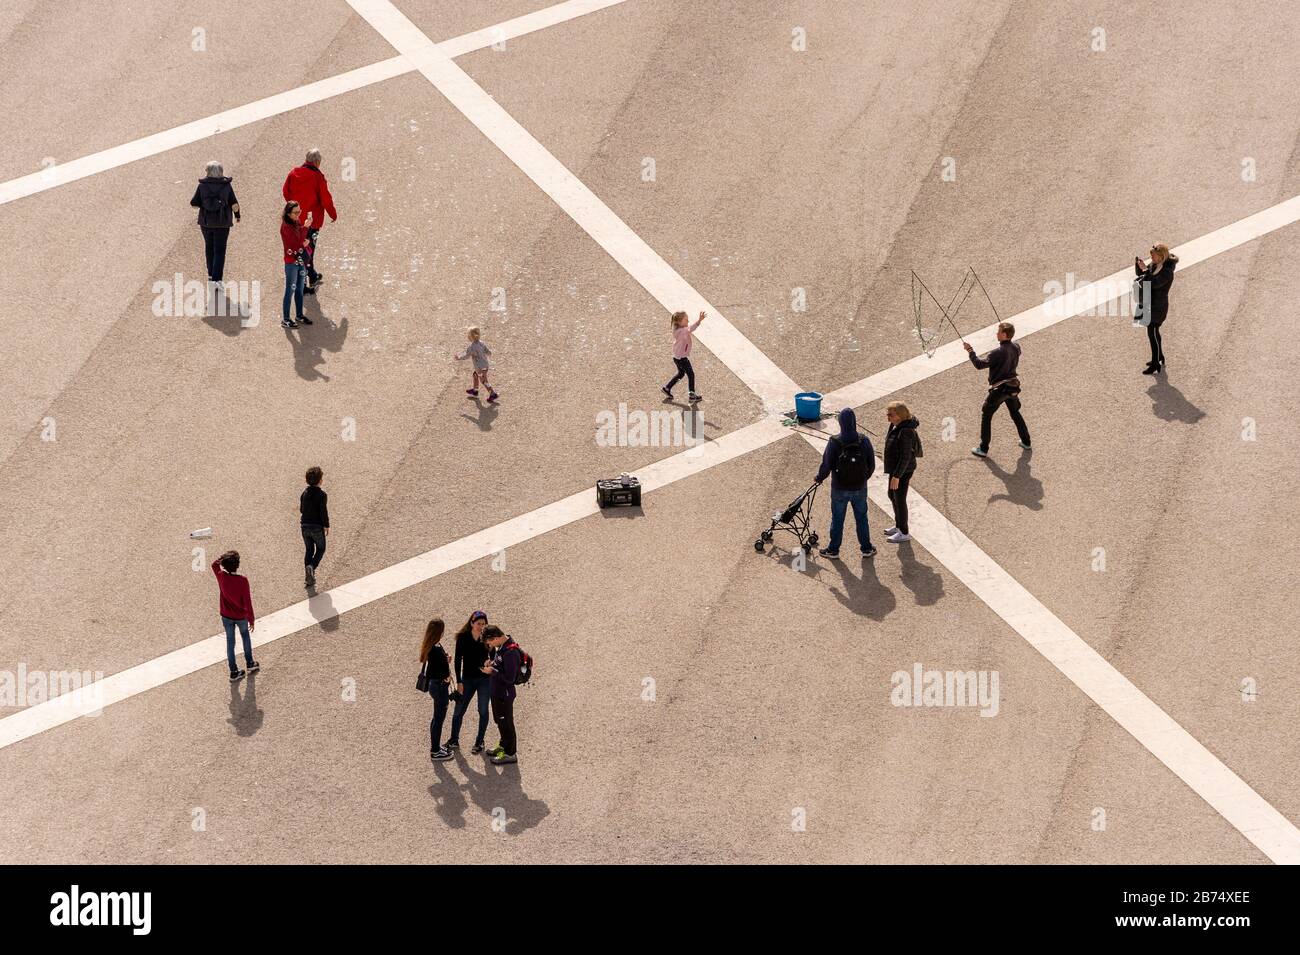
<point>849,459</point>
<point>218,212</point>
<point>313,506</point>
<point>1004,387</point>
<point>503,668</point>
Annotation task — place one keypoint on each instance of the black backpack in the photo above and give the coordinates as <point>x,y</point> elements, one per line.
<point>852,466</point>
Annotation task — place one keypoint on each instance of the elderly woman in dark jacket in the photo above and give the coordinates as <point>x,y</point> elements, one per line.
<point>218,212</point>
<point>1156,278</point>
<point>902,448</point>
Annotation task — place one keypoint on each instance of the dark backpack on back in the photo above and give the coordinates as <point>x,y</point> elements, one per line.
<point>525,671</point>
<point>852,466</point>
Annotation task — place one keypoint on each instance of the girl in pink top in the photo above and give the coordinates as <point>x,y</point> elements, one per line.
<point>682,356</point>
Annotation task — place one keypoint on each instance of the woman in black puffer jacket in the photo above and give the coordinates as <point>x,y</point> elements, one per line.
<point>1156,278</point>
<point>218,212</point>
<point>902,448</point>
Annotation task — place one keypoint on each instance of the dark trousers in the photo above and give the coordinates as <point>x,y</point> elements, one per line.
<point>996,398</point>
<point>503,711</point>
<point>439,693</point>
<point>214,250</point>
<point>313,536</point>
<point>312,275</point>
<point>1157,346</point>
<point>472,686</point>
<point>898,497</point>
<point>684,370</point>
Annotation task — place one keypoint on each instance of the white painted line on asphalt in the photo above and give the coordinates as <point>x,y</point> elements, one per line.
<point>1244,809</point>
<point>759,373</point>
<point>199,129</point>
<point>382,583</point>
<point>1084,298</point>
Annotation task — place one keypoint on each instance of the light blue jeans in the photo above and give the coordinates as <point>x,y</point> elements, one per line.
<point>294,277</point>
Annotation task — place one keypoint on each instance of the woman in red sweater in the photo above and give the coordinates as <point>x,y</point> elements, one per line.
<point>293,236</point>
<point>236,610</point>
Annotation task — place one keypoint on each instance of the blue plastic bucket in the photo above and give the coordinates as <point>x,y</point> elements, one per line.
<point>808,406</point>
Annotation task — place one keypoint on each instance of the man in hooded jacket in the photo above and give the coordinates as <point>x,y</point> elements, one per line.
<point>849,460</point>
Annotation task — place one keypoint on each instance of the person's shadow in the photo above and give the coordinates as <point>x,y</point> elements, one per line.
<point>487,413</point>
<point>498,791</point>
<point>448,798</point>
<point>925,583</point>
<point>322,609</point>
<point>310,342</point>
<point>1170,404</point>
<point>865,596</point>
<point>1023,488</point>
<point>245,715</point>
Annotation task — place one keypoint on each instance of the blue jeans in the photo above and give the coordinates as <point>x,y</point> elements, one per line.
<point>294,276</point>
<point>313,536</point>
<point>473,685</point>
<point>230,641</point>
<point>840,501</point>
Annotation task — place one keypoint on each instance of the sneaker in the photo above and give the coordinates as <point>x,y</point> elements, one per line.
<point>304,320</point>
<point>898,537</point>
<point>236,676</point>
<point>310,576</point>
<point>1025,445</point>
<point>478,748</point>
<point>869,552</point>
<point>503,758</point>
<point>498,751</point>
<point>1150,369</point>
<point>253,666</point>
<point>472,392</point>
<point>492,397</point>
<point>664,389</point>
<point>979,452</point>
<point>890,530</point>
<point>693,397</point>
<point>441,755</point>
<point>832,554</point>
<point>309,290</point>
<point>288,323</point>
<point>451,744</point>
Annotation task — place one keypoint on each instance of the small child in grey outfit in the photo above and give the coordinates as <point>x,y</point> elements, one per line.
<point>479,353</point>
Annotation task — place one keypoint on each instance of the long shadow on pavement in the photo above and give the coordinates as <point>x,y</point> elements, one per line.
<point>310,342</point>
<point>496,790</point>
<point>1170,404</point>
<point>245,715</point>
<point>1022,487</point>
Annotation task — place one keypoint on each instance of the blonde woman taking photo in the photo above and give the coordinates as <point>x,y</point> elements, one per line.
<point>1156,277</point>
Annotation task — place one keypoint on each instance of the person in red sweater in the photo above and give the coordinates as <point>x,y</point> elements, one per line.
<point>306,186</point>
<point>293,236</point>
<point>236,610</point>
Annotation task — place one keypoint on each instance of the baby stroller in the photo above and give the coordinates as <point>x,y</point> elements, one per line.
<point>797,519</point>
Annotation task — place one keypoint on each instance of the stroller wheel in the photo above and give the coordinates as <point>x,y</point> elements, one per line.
<point>766,537</point>
<point>808,548</point>
<point>812,540</point>
<point>758,545</point>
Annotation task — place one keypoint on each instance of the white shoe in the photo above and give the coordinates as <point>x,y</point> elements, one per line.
<point>898,537</point>
<point>890,530</point>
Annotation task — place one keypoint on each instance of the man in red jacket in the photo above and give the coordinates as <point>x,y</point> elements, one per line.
<point>306,186</point>
<point>236,610</point>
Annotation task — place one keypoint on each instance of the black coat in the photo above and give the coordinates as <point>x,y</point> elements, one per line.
<point>900,447</point>
<point>214,198</point>
<point>1155,285</point>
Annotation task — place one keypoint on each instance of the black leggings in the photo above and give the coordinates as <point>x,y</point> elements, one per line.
<point>1157,346</point>
<point>439,691</point>
<point>899,499</point>
<point>684,370</point>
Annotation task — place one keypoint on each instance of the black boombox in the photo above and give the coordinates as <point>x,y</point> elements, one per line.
<point>622,491</point>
